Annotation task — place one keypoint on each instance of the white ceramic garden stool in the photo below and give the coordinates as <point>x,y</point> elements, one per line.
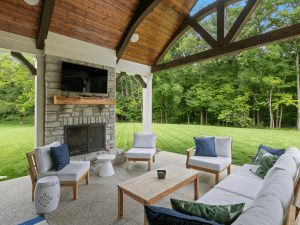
<point>105,165</point>
<point>47,193</point>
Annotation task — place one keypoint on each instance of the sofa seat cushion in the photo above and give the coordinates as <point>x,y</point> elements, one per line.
<point>241,185</point>
<point>140,153</point>
<point>280,185</point>
<point>266,210</point>
<point>218,196</point>
<point>43,158</point>
<point>213,163</point>
<point>72,172</point>
<point>245,171</point>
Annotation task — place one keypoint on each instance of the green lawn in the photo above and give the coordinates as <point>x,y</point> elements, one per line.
<point>16,140</point>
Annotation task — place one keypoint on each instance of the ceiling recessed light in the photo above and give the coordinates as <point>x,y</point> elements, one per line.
<point>135,37</point>
<point>32,2</point>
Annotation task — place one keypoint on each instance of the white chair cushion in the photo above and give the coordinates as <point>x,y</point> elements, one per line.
<point>43,158</point>
<point>245,171</point>
<point>280,185</point>
<point>223,146</point>
<point>218,196</point>
<point>266,210</point>
<point>144,141</point>
<point>241,185</point>
<point>287,162</point>
<point>140,153</point>
<point>212,163</point>
<point>72,172</point>
<point>295,152</point>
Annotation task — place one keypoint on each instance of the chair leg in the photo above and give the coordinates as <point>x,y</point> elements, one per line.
<point>154,158</point>
<point>87,177</point>
<point>217,177</point>
<point>228,169</point>
<point>75,190</point>
<point>33,189</point>
<point>149,164</point>
<point>127,162</point>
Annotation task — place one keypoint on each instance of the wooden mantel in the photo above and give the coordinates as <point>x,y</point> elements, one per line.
<point>65,100</point>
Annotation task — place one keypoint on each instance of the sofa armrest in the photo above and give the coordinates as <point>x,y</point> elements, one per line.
<point>189,153</point>
<point>290,218</point>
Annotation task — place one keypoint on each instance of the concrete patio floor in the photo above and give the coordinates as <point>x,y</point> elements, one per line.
<point>97,202</point>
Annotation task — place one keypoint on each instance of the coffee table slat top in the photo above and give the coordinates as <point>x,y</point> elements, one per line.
<point>148,186</point>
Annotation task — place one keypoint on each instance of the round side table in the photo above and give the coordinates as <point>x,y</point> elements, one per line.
<point>105,166</point>
<point>47,193</point>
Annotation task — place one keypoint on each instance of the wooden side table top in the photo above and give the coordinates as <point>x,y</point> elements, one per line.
<point>148,189</point>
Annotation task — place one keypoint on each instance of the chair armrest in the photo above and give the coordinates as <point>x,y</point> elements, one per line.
<point>189,153</point>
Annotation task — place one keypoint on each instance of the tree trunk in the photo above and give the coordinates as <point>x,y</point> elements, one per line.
<point>206,117</point>
<point>257,117</point>
<point>188,119</point>
<point>201,117</point>
<point>280,116</point>
<point>21,120</point>
<point>166,116</point>
<point>270,110</point>
<point>298,90</point>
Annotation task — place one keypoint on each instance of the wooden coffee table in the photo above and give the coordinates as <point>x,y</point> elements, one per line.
<point>148,189</point>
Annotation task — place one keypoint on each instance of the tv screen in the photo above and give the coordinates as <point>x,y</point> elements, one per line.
<point>78,78</point>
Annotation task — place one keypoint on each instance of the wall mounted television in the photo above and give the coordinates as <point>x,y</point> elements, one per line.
<point>85,79</point>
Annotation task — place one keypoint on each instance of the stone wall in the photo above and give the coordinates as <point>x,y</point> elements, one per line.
<point>58,116</point>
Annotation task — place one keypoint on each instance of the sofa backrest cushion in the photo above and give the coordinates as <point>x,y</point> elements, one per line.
<point>280,185</point>
<point>164,216</point>
<point>266,210</point>
<point>286,162</point>
<point>295,152</point>
<point>43,158</point>
<point>60,156</point>
<point>144,140</point>
<point>223,146</point>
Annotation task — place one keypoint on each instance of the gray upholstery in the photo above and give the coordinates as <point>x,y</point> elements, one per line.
<point>266,210</point>
<point>223,146</point>
<point>72,172</point>
<point>140,153</point>
<point>287,162</point>
<point>295,152</point>
<point>144,140</point>
<point>42,157</point>
<point>212,163</point>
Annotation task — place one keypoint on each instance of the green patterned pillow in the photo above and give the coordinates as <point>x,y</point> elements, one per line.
<point>223,214</point>
<point>263,162</point>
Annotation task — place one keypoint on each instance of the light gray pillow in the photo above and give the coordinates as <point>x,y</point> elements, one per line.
<point>223,146</point>
<point>295,152</point>
<point>266,210</point>
<point>144,140</point>
<point>43,158</point>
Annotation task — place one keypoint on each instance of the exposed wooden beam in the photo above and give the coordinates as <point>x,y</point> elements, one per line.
<point>141,80</point>
<point>122,74</point>
<point>143,9</point>
<point>28,64</point>
<point>252,42</point>
<point>47,12</point>
<point>220,22</point>
<point>241,20</point>
<point>183,28</point>
<point>203,33</point>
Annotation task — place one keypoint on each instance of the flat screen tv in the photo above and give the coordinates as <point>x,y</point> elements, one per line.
<point>79,78</point>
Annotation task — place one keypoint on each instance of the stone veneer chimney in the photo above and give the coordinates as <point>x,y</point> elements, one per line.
<point>59,116</point>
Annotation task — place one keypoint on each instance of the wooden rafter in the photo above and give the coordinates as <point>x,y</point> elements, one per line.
<point>141,80</point>
<point>183,28</point>
<point>28,64</point>
<point>220,21</point>
<point>45,23</point>
<point>202,32</point>
<point>241,20</point>
<point>256,41</point>
<point>143,9</point>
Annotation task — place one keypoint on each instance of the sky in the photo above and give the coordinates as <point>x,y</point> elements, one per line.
<point>200,4</point>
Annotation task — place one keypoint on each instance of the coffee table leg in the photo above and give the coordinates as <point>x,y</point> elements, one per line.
<point>145,218</point>
<point>196,188</point>
<point>120,203</point>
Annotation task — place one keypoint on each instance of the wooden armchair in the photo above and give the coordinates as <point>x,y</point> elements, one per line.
<point>34,175</point>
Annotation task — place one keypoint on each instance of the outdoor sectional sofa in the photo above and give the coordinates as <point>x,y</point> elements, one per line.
<point>269,201</point>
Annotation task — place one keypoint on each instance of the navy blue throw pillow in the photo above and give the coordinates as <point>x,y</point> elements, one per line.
<point>205,146</point>
<point>164,216</point>
<point>273,151</point>
<point>60,156</point>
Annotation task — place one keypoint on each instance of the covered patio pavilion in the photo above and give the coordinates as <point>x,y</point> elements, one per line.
<point>122,36</point>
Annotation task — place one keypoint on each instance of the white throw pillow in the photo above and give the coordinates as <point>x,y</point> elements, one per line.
<point>144,141</point>
<point>266,210</point>
<point>43,158</point>
<point>295,152</point>
<point>223,146</point>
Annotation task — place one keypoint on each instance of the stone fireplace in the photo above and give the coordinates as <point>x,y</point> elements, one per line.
<point>91,127</point>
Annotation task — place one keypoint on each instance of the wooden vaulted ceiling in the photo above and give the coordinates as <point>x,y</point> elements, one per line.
<point>101,22</point>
